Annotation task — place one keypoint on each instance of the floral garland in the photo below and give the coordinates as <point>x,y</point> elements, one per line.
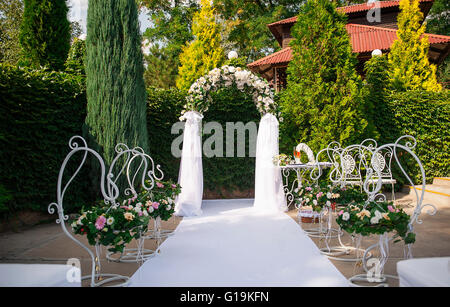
<point>199,96</point>
<point>376,218</point>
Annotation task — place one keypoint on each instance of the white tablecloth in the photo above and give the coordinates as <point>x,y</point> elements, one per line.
<point>424,272</point>
<point>36,275</point>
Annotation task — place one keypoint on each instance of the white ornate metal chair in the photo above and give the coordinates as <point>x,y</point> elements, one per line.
<point>375,267</point>
<point>110,193</point>
<point>382,161</point>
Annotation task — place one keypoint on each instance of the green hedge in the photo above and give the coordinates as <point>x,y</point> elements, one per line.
<point>164,109</point>
<point>39,112</point>
<point>426,116</point>
<point>223,175</point>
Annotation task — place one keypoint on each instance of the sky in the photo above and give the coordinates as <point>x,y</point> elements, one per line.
<point>78,12</point>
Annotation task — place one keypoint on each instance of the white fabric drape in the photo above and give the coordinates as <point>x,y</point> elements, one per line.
<point>269,194</point>
<point>190,177</point>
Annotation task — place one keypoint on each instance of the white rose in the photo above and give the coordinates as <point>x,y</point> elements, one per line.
<point>150,209</point>
<point>374,220</point>
<point>145,213</point>
<point>328,203</point>
<point>169,207</point>
<point>315,202</point>
<point>329,195</point>
<point>110,221</point>
<point>346,216</point>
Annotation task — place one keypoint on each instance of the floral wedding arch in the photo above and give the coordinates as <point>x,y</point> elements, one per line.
<point>268,184</point>
<point>199,95</point>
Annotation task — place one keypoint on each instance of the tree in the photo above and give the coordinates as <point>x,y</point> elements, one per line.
<point>76,59</point>
<point>438,19</point>
<point>116,109</point>
<point>45,33</point>
<point>171,30</point>
<point>377,84</point>
<point>323,101</point>
<point>10,19</point>
<point>204,52</point>
<point>410,68</point>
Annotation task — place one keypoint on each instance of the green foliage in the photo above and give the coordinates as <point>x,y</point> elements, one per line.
<point>75,62</point>
<point>438,19</point>
<point>237,62</point>
<point>171,25</point>
<point>162,69</point>
<point>424,115</point>
<point>5,198</point>
<point>377,83</point>
<point>10,19</point>
<point>116,110</point>
<point>39,112</point>
<point>163,110</point>
<point>409,66</point>
<point>323,101</point>
<point>204,52</point>
<point>45,33</point>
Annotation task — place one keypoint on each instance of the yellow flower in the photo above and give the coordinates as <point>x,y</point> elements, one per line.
<point>385,216</point>
<point>128,216</point>
<point>363,213</point>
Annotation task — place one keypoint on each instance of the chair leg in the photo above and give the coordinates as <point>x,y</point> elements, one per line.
<point>393,192</point>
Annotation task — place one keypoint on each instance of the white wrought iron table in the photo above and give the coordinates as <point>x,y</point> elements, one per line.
<point>300,170</point>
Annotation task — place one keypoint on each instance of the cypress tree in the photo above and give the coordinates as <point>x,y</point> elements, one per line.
<point>45,33</point>
<point>204,52</point>
<point>323,101</point>
<point>116,109</point>
<point>410,68</point>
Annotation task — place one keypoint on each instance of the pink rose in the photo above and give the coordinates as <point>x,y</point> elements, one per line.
<point>174,186</point>
<point>390,208</point>
<point>308,188</point>
<point>100,222</point>
<point>319,195</point>
<point>341,212</point>
<point>155,205</point>
<point>159,185</point>
<point>140,213</point>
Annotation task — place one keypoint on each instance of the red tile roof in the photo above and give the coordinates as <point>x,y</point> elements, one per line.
<point>282,56</point>
<point>367,38</point>
<point>363,39</point>
<point>349,9</point>
<point>367,6</point>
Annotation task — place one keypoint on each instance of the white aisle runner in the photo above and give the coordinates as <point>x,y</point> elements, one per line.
<point>232,244</point>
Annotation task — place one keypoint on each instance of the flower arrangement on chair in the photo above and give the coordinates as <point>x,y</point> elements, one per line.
<point>113,227</point>
<point>161,200</point>
<point>161,205</point>
<point>316,196</point>
<point>347,195</point>
<point>376,218</point>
